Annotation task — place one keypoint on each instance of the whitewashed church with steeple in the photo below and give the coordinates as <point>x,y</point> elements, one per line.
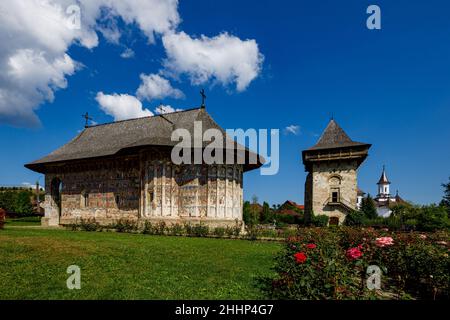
<point>384,200</point>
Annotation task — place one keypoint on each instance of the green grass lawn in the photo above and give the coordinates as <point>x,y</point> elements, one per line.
<point>33,265</point>
<point>24,221</point>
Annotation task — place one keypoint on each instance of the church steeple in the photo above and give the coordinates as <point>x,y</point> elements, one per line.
<point>383,184</point>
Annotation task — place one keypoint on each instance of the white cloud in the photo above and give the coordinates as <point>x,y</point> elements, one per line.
<point>122,106</point>
<point>225,58</point>
<point>127,53</point>
<point>154,86</point>
<point>35,38</point>
<point>292,129</point>
<point>151,16</point>
<point>163,109</point>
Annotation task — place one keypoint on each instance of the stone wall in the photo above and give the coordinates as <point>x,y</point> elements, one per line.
<point>328,176</point>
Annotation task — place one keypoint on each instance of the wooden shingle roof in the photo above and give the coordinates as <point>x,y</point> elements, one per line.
<point>110,138</point>
<point>334,137</point>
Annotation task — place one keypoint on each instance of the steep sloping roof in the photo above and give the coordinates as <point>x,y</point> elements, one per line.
<point>334,137</point>
<point>110,138</point>
<point>398,199</point>
<point>383,178</point>
<point>360,192</point>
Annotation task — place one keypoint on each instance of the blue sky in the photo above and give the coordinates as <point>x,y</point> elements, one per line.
<point>388,87</point>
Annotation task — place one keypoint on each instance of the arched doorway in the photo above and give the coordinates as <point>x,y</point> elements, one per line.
<point>56,191</point>
<point>334,221</point>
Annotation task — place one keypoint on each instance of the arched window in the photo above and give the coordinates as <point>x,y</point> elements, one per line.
<point>335,182</point>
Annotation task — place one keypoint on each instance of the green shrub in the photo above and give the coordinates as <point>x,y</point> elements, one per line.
<point>219,231</point>
<point>200,230</point>
<point>175,229</point>
<point>251,233</point>
<point>125,225</point>
<point>88,225</point>
<point>354,218</point>
<point>158,228</point>
<point>148,227</point>
<point>319,220</point>
<point>234,231</point>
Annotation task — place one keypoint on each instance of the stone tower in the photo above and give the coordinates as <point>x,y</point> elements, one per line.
<point>332,164</point>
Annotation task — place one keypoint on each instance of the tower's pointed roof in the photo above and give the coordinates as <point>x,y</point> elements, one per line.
<point>334,137</point>
<point>383,178</point>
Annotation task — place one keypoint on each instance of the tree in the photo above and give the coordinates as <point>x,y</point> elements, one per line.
<point>433,218</point>
<point>22,204</point>
<point>368,208</point>
<point>266,215</point>
<point>446,198</point>
<point>7,200</point>
<point>249,215</point>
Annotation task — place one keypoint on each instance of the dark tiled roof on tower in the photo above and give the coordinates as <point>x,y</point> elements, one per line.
<point>335,144</point>
<point>334,137</point>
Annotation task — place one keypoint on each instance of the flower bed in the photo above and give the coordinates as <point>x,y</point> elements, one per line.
<point>332,263</point>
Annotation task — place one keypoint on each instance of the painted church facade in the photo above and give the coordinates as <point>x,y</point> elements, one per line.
<point>123,170</point>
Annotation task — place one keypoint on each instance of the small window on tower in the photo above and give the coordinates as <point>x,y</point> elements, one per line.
<point>335,196</point>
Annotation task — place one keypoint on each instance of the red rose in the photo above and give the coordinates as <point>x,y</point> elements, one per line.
<point>300,257</point>
<point>354,253</point>
<point>311,246</point>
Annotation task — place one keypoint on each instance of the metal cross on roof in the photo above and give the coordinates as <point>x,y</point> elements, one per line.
<point>202,92</point>
<point>86,116</point>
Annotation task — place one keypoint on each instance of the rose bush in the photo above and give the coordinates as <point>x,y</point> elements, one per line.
<point>331,263</point>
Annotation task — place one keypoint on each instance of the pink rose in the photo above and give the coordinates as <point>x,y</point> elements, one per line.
<point>384,241</point>
<point>422,236</point>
